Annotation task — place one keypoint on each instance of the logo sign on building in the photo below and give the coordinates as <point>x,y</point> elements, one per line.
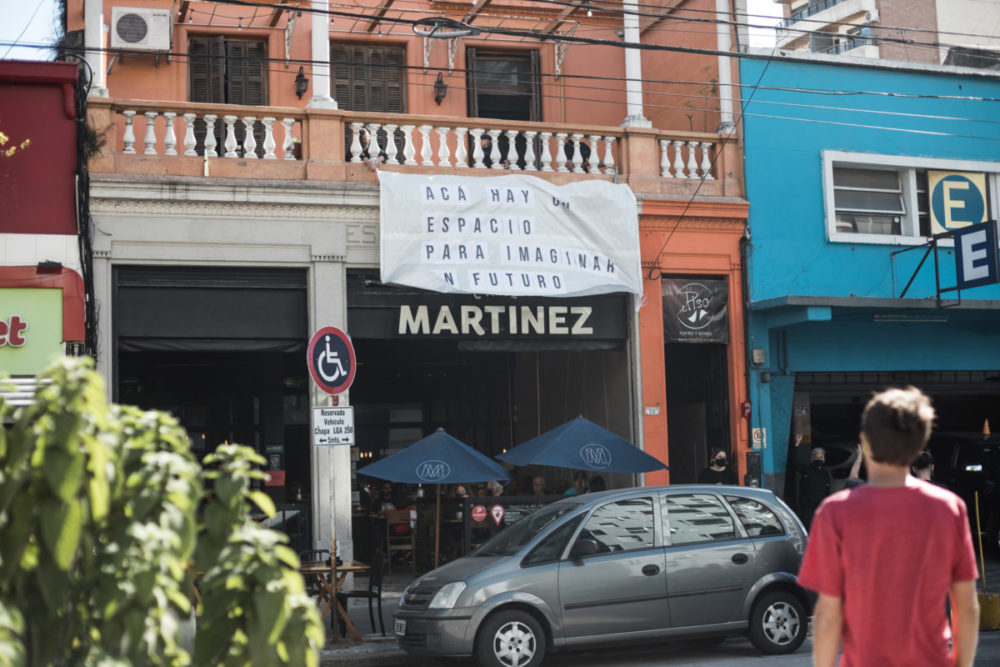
<point>595,456</point>
<point>433,471</point>
<point>497,512</point>
<point>479,513</point>
<point>957,199</point>
<point>511,235</point>
<point>695,310</point>
<point>976,255</point>
<point>30,329</point>
<point>333,426</point>
<point>331,360</point>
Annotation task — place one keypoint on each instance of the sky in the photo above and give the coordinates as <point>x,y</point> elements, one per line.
<point>34,22</point>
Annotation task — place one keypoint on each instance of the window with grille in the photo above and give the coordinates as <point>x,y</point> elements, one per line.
<point>228,71</point>
<point>369,78</point>
<point>893,198</point>
<point>503,84</point>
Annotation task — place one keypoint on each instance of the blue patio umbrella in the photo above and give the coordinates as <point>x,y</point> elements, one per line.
<point>581,444</point>
<point>437,459</point>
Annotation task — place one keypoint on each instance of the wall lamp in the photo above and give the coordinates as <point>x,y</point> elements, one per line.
<point>301,83</point>
<point>440,89</point>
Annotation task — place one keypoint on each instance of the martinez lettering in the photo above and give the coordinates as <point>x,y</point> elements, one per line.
<point>495,320</point>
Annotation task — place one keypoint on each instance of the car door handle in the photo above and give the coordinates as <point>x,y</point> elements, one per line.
<point>739,559</point>
<point>651,570</point>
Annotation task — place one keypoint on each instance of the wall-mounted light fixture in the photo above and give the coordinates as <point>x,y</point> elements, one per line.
<point>301,83</point>
<point>440,89</point>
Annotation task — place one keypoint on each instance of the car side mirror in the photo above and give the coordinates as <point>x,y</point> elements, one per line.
<point>583,547</point>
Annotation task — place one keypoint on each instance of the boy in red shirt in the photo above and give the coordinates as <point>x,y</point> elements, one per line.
<point>885,556</point>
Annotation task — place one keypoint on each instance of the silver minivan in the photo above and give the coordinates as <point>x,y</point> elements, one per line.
<point>631,565</point>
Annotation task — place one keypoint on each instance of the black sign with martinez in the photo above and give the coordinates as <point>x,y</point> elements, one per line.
<point>695,310</point>
<point>387,312</point>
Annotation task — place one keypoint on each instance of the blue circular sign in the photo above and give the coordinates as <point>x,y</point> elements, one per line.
<point>331,360</point>
<point>959,204</point>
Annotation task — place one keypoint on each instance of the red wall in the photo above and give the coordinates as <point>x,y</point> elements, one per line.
<point>37,184</point>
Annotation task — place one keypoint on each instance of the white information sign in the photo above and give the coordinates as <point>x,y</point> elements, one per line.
<point>513,235</point>
<point>333,426</point>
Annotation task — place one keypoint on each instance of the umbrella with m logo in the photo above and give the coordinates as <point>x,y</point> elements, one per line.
<point>437,459</point>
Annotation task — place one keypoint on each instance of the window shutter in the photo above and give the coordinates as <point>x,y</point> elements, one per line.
<point>342,76</point>
<point>256,77</point>
<point>536,89</point>
<point>359,80</point>
<point>393,76</point>
<point>472,91</point>
<point>206,67</point>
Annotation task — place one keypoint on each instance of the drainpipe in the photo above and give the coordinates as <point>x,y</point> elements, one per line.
<point>724,44</point>
<point>93,40</point>
<point>633,68</point>
<point>321,57</point>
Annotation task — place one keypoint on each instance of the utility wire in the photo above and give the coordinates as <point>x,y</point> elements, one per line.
<point>431,70</point>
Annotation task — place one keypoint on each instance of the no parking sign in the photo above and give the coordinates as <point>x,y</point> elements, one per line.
<point>331,360</point>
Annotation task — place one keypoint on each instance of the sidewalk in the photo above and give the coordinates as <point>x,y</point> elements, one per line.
<point>375,650</point>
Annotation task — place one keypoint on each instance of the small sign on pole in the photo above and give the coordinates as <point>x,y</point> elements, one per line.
<point>333,426</point>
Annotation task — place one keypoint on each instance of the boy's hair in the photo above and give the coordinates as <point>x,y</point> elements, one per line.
<point>924,460</point>
<point>897,423</point>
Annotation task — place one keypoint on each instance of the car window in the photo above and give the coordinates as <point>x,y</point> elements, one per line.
<point>550,548</point>
<point>757,519</point>
<point>624,525</point>
<point>976,458</point>
<point>695,518</point>
<point>512,539</point>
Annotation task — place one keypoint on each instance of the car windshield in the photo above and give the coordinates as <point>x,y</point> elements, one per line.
<point>510,540</point>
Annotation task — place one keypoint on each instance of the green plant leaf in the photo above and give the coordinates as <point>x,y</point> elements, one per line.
<point>62,524</point>
<point>272,614</point>
<point>263,501</point>
<point>64,473</point>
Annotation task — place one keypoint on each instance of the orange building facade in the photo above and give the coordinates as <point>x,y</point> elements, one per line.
<point>194,207</point>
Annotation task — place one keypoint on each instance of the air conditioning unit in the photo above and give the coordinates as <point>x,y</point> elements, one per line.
<point>140,29</point>
<point>871,16</point>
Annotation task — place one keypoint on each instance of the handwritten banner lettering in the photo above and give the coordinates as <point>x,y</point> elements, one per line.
<point>510,235</point>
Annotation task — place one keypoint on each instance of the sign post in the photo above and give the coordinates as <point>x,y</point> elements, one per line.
<point>332,364</point>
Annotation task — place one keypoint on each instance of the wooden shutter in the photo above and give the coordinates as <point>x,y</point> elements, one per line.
<point>472,91</point>
<point>245,72</point>
<point>536,88</point>
<point>369,78</point>
<point>206,69</point>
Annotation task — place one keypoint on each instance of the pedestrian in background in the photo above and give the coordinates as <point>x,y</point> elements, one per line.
<point>718,471</point>
<point>814,482</point>
<point>883,556</point>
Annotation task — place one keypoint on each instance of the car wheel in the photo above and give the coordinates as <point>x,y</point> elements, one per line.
<point>778,623</point>
<point>510,639</point>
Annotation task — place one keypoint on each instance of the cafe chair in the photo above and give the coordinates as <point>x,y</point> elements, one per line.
<point>373,593</point>
<point>399,536</point>
<point>313,556</point>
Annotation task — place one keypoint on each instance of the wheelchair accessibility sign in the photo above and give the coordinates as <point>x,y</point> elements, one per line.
<point>331,360</point>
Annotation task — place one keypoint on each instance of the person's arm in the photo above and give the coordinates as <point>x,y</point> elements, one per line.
<point>856,468</point>
<point>828,624</point>
<point>965,621</point>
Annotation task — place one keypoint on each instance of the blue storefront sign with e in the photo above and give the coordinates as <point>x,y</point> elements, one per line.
<point>976,255</point>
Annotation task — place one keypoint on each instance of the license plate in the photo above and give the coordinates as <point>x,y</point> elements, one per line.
<point>400,627</point>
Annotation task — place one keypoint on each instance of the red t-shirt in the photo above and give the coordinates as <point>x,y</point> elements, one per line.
<point>891,554</point>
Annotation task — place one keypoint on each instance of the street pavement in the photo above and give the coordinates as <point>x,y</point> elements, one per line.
<point>378,651</point>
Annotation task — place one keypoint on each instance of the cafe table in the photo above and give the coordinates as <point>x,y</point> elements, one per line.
<point>329,581</point>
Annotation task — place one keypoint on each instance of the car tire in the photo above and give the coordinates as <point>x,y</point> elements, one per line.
<point>778,623</point>
<point>510,639</point>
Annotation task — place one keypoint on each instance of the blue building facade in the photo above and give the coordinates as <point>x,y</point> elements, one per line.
<point>850,169</point>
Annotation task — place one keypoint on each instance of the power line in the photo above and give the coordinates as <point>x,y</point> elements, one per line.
<point>547,75</point>
<point>25,29</point>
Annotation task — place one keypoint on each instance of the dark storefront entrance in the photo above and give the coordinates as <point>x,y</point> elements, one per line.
<point>489,373</point>
<point>222,350</point>
<point>696,331</point>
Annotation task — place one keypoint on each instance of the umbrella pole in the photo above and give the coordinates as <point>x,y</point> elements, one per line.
<point>437,527</point>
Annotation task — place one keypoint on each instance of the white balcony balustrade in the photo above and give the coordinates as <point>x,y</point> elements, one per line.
<point>480,148</point>
<point>212,135</point>
<point>410,142</point>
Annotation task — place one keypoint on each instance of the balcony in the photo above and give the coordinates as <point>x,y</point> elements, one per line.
<point>176,138</point>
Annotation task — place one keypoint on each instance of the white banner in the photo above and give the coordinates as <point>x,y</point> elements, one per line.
<point>510,235</point>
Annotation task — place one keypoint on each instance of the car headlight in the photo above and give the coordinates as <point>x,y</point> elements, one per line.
<point>447,596</point>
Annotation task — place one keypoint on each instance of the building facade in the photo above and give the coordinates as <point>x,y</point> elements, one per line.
<point>42,296</point>
<point>237,210</point>
<point>954,32</point>
<point>843,278</point>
